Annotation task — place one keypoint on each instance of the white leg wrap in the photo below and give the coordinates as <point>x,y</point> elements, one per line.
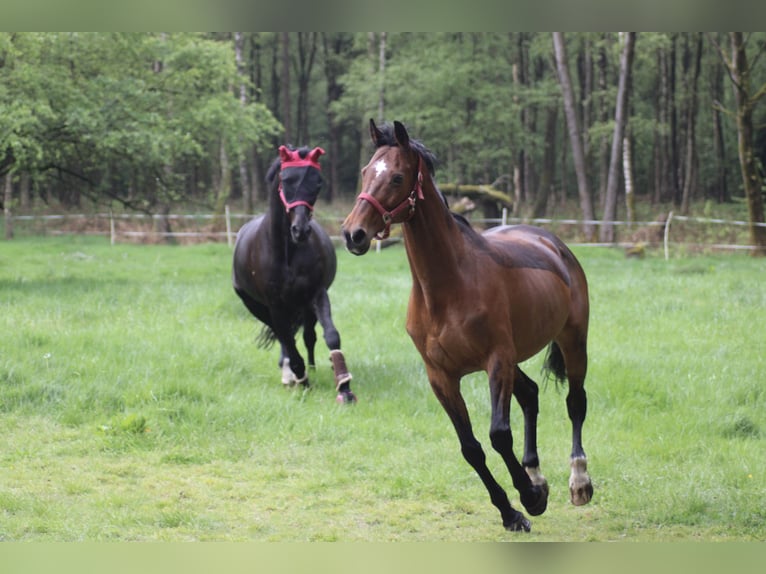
<point>288,377</point>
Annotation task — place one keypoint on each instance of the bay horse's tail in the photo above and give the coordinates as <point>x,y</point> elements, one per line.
<point>554,364</point>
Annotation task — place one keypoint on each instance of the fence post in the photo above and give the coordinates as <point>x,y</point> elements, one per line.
<point>667,233</point>
<point>505,216</point>
<point>111,227</point>
<point>228,226</point>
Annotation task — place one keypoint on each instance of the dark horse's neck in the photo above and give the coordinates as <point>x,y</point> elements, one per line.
<point>278,222</point>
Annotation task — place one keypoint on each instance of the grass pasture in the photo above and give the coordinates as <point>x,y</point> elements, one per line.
<point>134,406</point>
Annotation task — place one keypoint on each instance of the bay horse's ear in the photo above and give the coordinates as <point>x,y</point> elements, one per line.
<point>315,153</point>
<point>284,153</point>
<point>402,137</point>
<point>375,133</point>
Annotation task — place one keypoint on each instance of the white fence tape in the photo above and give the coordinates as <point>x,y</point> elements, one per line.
<point>230,235</point>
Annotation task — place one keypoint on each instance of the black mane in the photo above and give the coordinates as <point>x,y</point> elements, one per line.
<point>387,137</point>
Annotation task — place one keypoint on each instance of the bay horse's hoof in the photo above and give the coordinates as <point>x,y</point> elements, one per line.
<point>520,523</point>
<point>346,398</point>
<point>580,486</point>
<point>535,500</point>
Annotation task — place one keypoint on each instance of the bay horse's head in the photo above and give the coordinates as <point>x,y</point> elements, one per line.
<point>300,179</point>
<point>391,185</point>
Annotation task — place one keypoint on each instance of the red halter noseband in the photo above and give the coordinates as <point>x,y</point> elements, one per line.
<point>408,203</point>
<point>292,158</point>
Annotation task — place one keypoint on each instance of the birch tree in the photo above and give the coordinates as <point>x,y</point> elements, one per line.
<point>606,234</point>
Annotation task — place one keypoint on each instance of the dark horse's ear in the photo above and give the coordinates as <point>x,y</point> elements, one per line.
<point>315,153</point>
<point>402,137</point>
<point>375,134</point>
<point>284,153</point>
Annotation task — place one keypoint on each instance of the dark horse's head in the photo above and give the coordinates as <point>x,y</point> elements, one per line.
<point>300,179</point>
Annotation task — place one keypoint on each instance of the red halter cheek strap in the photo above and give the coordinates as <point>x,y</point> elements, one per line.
<point>408,203</point>
<point>292,158</point>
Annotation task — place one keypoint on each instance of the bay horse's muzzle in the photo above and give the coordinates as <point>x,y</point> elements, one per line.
<point>357,240</point>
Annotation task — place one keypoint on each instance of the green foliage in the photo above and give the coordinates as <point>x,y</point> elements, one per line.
<point>120,112</point>
<point>134,405</point>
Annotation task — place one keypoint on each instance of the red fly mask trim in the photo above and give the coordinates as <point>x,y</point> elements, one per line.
<point>291,158</point>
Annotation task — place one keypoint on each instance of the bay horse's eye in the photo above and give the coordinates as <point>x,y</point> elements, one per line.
<point>397,179</point>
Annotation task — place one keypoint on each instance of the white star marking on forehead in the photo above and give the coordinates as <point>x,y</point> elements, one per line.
<point>380,166</point>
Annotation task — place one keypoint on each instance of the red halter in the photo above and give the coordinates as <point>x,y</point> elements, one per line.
<point>292,158</point>
<point>408,203</point>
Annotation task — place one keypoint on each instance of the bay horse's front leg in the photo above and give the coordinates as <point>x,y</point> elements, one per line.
<point>332,339</point>
<point>447,390</point>
<point>533,496</point>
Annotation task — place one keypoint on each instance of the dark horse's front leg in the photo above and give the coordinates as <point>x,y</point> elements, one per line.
<point>447,390</point>
<point>291,361</point>
<point>332,339</point>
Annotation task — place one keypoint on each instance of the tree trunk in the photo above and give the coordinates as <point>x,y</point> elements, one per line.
<point>603,148</point>
<point>257,170</point>
<point>382,76</point>
<point>335,47</point>
<point>691,121</point>
<point>751,178</point>
<point>721,193</point>
<point>627,174</point>
<point>285,87</point>
<point>307,47</point>
<point>7,199</point>
<point>664,163</point>
<point>549,163</point>
<point>575,137</point>
<point>673,168</point>
<point>247,192</point>
<point>620,118</point>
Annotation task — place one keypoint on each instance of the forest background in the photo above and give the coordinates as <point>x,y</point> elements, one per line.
<point>151,122</point>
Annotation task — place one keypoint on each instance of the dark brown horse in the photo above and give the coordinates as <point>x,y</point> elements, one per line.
<point>481,302</point>
<point>284,263</point>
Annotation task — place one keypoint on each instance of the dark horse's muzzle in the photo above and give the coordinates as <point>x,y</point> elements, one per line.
<point>300,224</point>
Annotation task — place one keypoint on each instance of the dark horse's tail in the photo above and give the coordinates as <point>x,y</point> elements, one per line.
<point>554,364</point>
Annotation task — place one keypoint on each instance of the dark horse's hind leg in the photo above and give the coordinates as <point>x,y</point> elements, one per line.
<point>332,339</point>
<point>448,393</point>
<point>526,392</point>
<point>310,336</point>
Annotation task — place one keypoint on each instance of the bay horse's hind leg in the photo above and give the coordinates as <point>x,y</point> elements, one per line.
<point>526,392</point>
<point>332,339</point>
<point>576,360</point>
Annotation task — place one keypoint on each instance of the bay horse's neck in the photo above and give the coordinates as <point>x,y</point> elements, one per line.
<point>435,245</point>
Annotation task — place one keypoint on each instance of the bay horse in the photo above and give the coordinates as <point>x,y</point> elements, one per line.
<point>481,302</point>
<point>284,263</point>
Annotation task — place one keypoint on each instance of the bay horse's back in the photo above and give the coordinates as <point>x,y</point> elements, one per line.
<point>535,248</point>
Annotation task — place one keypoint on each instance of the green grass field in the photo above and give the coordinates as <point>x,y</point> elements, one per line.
<point>134,405</point>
